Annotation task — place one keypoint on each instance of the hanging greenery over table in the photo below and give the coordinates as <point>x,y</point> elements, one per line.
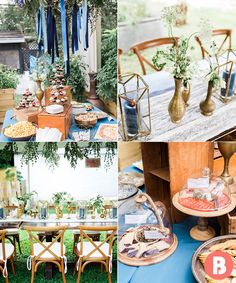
<point>73,152</point>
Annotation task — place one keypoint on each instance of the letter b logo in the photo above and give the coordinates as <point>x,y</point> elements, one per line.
<point>218,265</point>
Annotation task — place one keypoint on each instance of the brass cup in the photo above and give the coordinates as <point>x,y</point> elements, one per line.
<point>227,149</point>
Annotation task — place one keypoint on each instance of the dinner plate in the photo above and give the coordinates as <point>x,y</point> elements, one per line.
<point>54,109</point>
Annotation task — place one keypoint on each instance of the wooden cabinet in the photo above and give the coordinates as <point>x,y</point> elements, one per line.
<point>168,165</point>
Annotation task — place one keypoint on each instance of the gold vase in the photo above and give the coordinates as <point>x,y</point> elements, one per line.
<point>39,94</point>
<point>59,213</point>
<point>20,211</point>
<point>208,106</point>
<point>227,149</point>
<point>177,105</point>
<point>186,94</point>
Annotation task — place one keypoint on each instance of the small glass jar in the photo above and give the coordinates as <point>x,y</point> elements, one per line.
<point>81,210</point>
<point>43,210</point>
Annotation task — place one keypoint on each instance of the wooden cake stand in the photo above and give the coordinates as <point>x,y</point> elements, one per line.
<point>202,231</point>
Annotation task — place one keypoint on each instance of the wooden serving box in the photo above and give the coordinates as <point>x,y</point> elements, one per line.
<point>27,114</point>
<point>48,95</point>
<point>61,121</point>
<point>7,100</point>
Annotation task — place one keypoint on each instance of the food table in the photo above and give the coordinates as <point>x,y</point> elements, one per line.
<point>202,232</point>
<point>72,223</point>
<point>9,120</point>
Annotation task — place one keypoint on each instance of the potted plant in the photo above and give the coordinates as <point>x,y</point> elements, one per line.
<point>59,200</point>
<point>177,61</point>
<point>8,83</point>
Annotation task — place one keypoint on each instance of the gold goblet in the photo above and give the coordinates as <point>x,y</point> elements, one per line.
<point>227,149</point>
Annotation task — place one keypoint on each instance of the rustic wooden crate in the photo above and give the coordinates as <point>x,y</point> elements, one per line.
<point>7,101</point>
<point>48,95</point>
<point>61,121</point>
<point>228,223</point>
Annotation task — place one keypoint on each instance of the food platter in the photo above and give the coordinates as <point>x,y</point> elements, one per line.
<point>147,260</point>
<point>199,257</point>
<point>11,131</point>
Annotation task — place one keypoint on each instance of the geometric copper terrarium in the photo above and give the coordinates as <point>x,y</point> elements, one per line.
<point>134,105</point>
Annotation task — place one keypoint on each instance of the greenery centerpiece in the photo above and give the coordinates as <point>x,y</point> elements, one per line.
<point>177,61</point>
<point>96,205</point>
<point>59,200</point>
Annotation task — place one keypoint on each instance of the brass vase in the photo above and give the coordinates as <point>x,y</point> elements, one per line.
<point>59,213</point>
<point>227,149</point>
<point>208,106</point>
<point>186,94</point>
<point>177,105</point>
<point>39,94</point>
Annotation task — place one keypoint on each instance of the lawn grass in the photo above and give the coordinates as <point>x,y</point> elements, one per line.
<point>226,19</point>
<point>91,273</point>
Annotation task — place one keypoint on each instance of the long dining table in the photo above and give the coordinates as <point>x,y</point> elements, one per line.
<point>70,221</point>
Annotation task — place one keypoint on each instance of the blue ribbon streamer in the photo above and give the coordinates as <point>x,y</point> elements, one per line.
<point>85,24</point>
<point>64,29</point>
<point>79,24</point>
<point>74,33</point>
<point>39,31</point>
<point>44,29</point>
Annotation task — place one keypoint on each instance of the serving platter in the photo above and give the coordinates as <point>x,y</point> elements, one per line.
<point>197,267</point>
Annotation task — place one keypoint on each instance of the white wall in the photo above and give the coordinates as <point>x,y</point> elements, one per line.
<point>81,183</point>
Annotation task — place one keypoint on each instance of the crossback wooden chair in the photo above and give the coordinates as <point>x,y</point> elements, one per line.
<point>227,36</point>
<point>6,252</point>
<point>138,48</point>
<point>89,251</point>
<point>42,252</point>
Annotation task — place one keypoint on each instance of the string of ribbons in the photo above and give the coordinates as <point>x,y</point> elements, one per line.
<point>47,30</point>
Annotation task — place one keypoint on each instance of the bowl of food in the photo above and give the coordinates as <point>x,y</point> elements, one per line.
<point>21,131</point>
<point>86,120</point>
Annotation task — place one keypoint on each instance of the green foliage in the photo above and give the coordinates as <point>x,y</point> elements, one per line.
<point>73,153</point>
<point>10,174</point>
<point>8,77</point>
<point>59,198</point>
<point>50,153</point>
<point>26,197</point>
<point>76,79</point>
<point>14,19</point>
<point>107,76</point>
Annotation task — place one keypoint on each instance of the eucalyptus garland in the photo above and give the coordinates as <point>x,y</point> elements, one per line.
<point>74,152</point>
<point>30,153</point>
<point>50,153</point>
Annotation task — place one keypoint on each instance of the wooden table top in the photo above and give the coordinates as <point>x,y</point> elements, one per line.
<point>194,126</point>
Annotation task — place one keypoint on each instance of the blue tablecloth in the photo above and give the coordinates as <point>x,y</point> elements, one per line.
<point>10,121</point>
<point>174,269</point>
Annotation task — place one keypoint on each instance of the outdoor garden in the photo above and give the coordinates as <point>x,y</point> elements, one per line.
<point>48,185</point>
